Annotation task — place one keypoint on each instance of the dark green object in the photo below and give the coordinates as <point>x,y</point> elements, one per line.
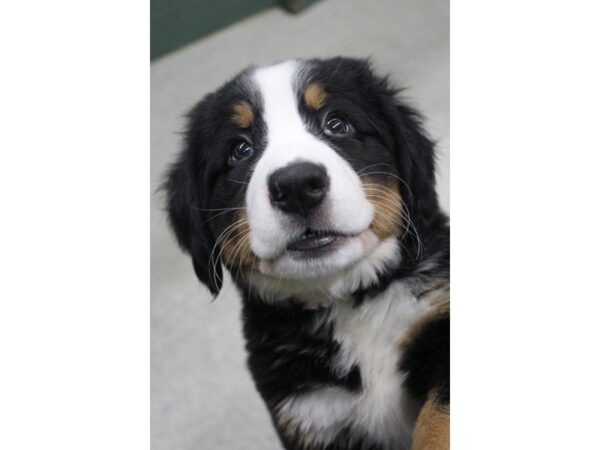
<point>175,23</point>
<point>296,5</point>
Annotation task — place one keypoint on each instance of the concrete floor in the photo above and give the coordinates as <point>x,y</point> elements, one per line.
<point>202,394</point>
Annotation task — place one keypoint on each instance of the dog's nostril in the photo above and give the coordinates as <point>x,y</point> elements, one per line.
<point>316,184</point>
<point>277,193</point>
<point>298,188</point>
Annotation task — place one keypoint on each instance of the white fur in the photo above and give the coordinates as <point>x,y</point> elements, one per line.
<point>345,208</point>
<point>370,337</point>
<point>320,412</point>
<point>377,258</point>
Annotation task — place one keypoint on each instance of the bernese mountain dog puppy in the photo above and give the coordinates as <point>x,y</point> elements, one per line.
<point>314,185</point>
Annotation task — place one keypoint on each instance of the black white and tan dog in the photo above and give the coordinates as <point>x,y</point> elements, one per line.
<point>314,185</point>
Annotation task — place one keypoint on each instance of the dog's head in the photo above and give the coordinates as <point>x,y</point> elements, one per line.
<point>302,176</point>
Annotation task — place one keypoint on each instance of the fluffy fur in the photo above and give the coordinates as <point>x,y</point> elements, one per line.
<point>348,340</point>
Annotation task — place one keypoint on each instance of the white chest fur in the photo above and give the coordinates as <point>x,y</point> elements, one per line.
<point>370,337</point>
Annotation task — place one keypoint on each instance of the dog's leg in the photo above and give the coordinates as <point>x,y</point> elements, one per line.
<point>432,430</point>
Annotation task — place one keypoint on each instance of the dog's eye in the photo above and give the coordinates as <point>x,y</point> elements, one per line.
<point>336,125</point>
<point>241,150</point>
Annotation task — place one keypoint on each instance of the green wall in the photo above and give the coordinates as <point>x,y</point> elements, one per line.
<point>174,23</point>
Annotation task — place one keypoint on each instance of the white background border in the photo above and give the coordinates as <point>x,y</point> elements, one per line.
<point>74,186</point>
<point>525,79</point>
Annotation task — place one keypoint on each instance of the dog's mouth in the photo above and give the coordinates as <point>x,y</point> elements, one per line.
<point>317,253</point>
<point>315,242</point>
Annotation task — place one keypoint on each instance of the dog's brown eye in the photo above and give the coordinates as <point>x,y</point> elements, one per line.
<point>336,125</point>
<point>241,150</point>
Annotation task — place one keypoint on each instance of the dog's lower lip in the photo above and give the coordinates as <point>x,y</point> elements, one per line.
<point>312,241</point>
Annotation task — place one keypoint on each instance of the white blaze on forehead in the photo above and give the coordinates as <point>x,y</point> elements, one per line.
<point>345,208</point>
<point>276,85</point>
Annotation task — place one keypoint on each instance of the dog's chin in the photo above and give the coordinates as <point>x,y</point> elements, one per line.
<point>332,272</point>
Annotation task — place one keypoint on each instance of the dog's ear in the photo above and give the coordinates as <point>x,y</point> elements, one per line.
<point>415,162</point>
<point>187,221</point>
<point>413,150</point>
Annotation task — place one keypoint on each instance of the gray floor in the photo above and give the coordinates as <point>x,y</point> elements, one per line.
<point>202,394</point>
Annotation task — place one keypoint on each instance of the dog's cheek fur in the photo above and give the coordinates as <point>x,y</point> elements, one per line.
<point>237,252</point>
<point>386,199</point>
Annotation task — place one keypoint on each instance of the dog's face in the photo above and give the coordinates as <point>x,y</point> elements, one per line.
<point>300,176</point>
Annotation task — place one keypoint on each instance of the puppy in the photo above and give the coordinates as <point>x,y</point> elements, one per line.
<point>314,185</point>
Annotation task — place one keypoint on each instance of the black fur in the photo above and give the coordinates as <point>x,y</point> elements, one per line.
<point>196,188</point>
<point>427,361</point>
<point>286,355</point>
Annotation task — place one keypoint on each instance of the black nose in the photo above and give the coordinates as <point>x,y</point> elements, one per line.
<point>298,188</point>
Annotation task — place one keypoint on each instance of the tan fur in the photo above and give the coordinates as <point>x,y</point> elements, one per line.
<point>284,420</point>
<point>439,297</point>
<point>432,430</point>
<point>237,252</point>
<point>304,438</point>
<point>243,116</point>
<point>388,207</point>
<point>292,433</point>
<point>315,96</point>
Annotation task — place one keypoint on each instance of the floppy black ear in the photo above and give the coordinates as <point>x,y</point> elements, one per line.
<point>413,150</point>
<point>416,165</point>
<point>194,236</point>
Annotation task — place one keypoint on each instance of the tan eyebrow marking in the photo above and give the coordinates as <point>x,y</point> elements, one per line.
<point>315,96</point>
<point>243,116</point>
